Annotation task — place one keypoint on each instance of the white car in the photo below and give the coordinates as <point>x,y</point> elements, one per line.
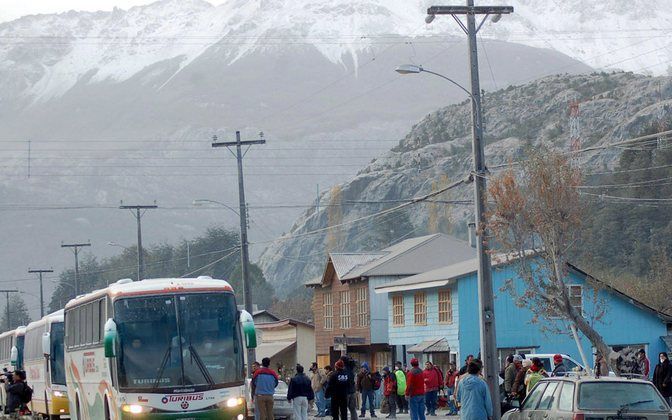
<point>282,409</point>
<point>547,359</point>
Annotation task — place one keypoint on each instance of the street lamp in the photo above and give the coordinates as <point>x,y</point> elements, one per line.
<point>116,244</point>
<point>486,301</point>
<point>202,202</point>
<point>413,69</point>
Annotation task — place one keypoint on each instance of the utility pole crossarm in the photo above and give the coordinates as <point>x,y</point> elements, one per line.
<point>234,143</point>
<point>75,249</point>
<point>467,10</point>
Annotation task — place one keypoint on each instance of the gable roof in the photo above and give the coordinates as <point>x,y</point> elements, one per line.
<point>416,255</point>
<point>665,317</point>
<point>408,257</point>
<point>443,276</point>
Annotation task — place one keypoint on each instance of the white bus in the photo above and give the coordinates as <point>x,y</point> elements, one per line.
<point>160,349</point>
<point>11,357</point>
<point>44,363</point>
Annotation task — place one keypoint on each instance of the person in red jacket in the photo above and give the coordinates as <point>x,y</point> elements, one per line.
<point>415,390</point>
<point>433,381</point>
<point>390,392</point>
<point>451,379</point>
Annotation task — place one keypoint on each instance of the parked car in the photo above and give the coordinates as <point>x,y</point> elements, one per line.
<point>547,360</point>
<point>282,409</point>
<point>583,397</point>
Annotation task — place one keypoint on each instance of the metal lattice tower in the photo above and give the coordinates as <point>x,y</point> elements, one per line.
<point>660,117</point>
<point>574,126</point>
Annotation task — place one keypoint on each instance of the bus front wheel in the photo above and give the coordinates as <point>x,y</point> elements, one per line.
<point>78,411</point>
<point>107,410</point>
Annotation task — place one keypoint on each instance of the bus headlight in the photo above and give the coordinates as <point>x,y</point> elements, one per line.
<point>135,408</point>
<point>234,402</point>
<point>60,394</point>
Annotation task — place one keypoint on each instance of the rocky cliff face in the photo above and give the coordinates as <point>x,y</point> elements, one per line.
<point>437,151</point>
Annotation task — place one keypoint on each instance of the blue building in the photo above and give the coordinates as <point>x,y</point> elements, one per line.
<point>434,316</point>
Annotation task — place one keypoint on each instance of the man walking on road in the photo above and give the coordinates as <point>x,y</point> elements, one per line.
<point>390,391</point>
<point>451,378</point>
<point>463,369</point>
<point>433,382</point>
<point>337,391</point>
<point>365,385</point>
<point>474,396</point>
<point>317,383</point>
<point>264,382</point>
<point>300,392</point>
<point>352,395</point>
<point>402,402</point>
<point>415,390</point>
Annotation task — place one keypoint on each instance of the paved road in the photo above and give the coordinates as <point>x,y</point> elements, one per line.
<point>441,415</point>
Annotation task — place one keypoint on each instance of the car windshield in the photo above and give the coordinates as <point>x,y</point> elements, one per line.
<point>57,355</point>
<point>636,396</point>
<point>178,340</point>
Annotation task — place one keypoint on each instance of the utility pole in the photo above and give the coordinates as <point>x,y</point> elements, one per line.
<point>486,301</point>
<point>244,255</point>
<point>40,272</point>
<point>75,249</point>
<point>7,292</point>
<point>138,218</point>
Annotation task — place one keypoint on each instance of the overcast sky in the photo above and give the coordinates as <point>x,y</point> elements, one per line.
<point>12,9</point>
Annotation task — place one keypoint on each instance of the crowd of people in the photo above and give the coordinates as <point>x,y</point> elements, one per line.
<point>344,389</point>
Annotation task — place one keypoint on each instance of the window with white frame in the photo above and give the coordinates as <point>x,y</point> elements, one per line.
<point>576,297</point>
<point>398,310</point>
<point>445,307</point>
<point>362,305</point>
<point>328,305</point>
<point>346,321</point>
<point>420,308</point>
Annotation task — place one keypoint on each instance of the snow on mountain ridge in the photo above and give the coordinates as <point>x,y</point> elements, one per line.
<point>46,55</point>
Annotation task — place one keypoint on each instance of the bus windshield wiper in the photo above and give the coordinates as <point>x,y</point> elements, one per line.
<point>625,407</point>
<point>164,362</point>
<point>201,365</point>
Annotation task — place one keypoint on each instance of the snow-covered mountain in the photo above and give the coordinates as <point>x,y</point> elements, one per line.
<point>46,55</point>
<point>121,105</point>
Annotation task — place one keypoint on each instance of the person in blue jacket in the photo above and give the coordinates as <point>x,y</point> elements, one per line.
<point>300,393</point>
<point>474,396</point>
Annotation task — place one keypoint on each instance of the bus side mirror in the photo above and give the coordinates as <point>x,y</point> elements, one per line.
<point>110,338</point>
<point>14,356</point>
<point>247,323</point>
<point>46,344</point>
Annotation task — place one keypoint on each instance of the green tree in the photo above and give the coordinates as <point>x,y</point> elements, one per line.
<point>18,313</point>
<point>215,253</point>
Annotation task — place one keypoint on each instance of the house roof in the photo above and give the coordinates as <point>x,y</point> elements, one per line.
<point>440,276</point>
<point>444,275</point>
<point>265,312</point>
<point>346,263</point>
<point>665,317</point>
<point>408,257</point>
<point>274,348</point>
<point>434,345</point>
<point>282,323</point>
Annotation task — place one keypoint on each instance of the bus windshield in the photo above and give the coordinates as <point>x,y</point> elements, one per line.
<point>57,355</point>
<point>178,340</point>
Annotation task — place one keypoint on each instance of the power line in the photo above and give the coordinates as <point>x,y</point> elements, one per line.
<point>366,217</point>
